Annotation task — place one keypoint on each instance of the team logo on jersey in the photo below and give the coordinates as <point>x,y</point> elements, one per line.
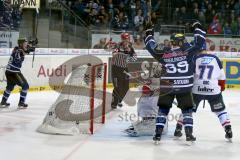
<point>206,60</point>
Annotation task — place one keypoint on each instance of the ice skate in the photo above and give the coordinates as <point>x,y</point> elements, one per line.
<point>130,131</point>
<point>22,105</point>
<point>120,104</point>
<point>157,136</point>
<point>4,104</point>
<point>178,131</point>
<point>156,139</point>
<point>228,134</point>
<point>113,106</point>
<point>190,139</point>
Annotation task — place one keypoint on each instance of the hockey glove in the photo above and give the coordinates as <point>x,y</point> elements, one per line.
<point>196,24</point>
<point>149,29</point>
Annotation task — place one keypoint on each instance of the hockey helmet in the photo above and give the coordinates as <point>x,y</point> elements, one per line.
<point>125,36</point>
<point>177,39</point>
<point>22,40</point>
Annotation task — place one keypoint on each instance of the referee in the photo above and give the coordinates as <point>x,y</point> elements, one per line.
<point>122,55</point>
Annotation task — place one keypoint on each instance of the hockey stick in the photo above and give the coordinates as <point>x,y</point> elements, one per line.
<point>36,30</point>
<point>204,103</point>
<point>143,83</point>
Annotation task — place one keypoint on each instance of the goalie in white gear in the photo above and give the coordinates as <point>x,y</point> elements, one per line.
<point>147,111</point>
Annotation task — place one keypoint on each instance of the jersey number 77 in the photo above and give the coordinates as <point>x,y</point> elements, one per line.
<point>205,68</point>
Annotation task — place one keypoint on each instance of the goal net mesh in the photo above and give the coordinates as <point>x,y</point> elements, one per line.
<point>81,104</point>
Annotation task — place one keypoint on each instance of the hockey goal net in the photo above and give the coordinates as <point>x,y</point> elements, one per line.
<point>81,105</point>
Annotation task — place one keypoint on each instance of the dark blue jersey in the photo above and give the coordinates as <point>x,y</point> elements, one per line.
<point>178,63</point>
<point>199,42</point>
<point>16,60</point>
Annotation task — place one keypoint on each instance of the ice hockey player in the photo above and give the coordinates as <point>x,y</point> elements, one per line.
<point>14,75</point>
<point>122,55</point>
<point>209,82</point>
<point>179,70</point>
<point>147,110</point>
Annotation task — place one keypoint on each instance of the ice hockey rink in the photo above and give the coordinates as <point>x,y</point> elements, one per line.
<point>20,141</point>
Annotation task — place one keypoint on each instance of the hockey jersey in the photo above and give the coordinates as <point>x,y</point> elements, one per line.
<point>208,70</point>
<point>199,42</point>
<point>16,60</point>
<point>125,54</point>
<point>177,63</point>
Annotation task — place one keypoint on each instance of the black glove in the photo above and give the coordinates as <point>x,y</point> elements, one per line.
<point>149,29</point>
<point>33,42</point>
<point>30,49</point>
<point>196,24</point>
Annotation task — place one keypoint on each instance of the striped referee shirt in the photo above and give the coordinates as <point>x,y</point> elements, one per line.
<point>121,58</point>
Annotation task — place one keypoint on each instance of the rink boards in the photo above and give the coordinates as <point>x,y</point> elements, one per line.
<point>60,64</point>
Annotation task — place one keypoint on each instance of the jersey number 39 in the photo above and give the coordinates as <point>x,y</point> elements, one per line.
<point>180,67</point>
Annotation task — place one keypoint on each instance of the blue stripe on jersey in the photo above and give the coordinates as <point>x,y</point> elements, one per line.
<point>200,32</point>
<point>148,38</point>
<point>150,44</point>
<point>200,37</point>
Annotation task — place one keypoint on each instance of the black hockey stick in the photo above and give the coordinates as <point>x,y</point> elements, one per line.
<point>141,82</point>
<point>204,103</point>
<point>36,30</point>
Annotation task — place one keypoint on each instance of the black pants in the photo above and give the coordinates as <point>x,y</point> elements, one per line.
<point>185,100</point>
<point>16,78</point>
<point>120,84</point>
<point>215,101</point>
<point>13,79</point>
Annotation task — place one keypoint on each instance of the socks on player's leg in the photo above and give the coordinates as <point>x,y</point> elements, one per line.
<point>188,125</point>
<point>225,122</point>
<point>160,123</point>
<point>22,103</point>
<point>178,130</point>
<point>6,94</point>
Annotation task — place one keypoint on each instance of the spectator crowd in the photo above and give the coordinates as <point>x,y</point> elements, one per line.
<point>217,16</point>
<point>10,15</point>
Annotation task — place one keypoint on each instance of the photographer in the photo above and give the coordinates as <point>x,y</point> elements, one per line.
<point>13,72</point>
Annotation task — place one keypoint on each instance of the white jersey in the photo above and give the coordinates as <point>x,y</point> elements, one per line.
<point>208,70</point>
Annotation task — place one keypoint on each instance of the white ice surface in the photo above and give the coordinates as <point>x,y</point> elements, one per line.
<point>20,141</point>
